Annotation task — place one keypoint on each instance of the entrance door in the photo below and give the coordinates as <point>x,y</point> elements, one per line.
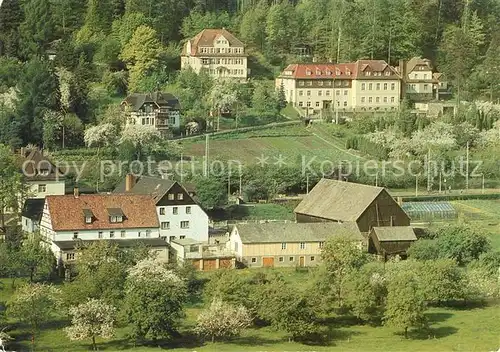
<point>301,261</point>
<point>268,261</point>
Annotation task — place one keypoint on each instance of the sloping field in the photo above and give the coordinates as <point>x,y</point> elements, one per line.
<point>248,147</point>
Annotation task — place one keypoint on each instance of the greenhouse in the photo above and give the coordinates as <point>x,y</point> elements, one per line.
<point>429,210</point>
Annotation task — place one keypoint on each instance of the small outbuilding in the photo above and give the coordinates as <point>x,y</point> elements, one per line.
<point>391,240</point>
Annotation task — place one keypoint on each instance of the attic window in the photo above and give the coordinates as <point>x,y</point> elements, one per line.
<point>348,72</point>
<point>337,72</point>
<point>308,72</point>
<point>328,72</point>
<point>368,73</point>
<point>318,72</point>
<point>115,215</point>
<point>44,172</point>
<point>87,213</point>
<point>387,73</point>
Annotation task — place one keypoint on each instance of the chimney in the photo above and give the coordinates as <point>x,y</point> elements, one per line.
<point>129,182</point>
<point>76,192</point>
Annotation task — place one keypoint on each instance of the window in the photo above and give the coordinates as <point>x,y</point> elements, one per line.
<point>184,224</point>
<point>123,233</point>
<point>320,93</point>
<point>378,86</point>
<point>99,234</point>
<point>393,86</point>
<point>363,86</point>
<point>148,233</point>
<point>115,218</point>
<point>370,99</point>
<point>301,104</point>
<point>392,99</point>
<point>111,234</point>
<point>188,210</point>
<point>385,99</point>
<point>337,92</point>
<point>377,100</point>
<point>368,73</point>
<point>320,83</point>
<point>385,86</point>
<point>291,259</point>
<point>75,235</point>
<point>301,92</point>
<point>329,83</point>
<point>281,259</point>
<point>309,83</point>
<point>171,196</point>
<point>205,61</point>
<point>162,211</point>
<point>308,93</point>
<point>171,238</point>
<point>362,99</point>
<point>327,93</point>
<point>254,260</point>
<point>346,92</point>
<point>70,256</point>
<point>88,219</point>
<point>301,83</point>
<point>283,245</point>
<point>312,258</point>
<point>317,104</point>
<point>308,104</point>
<point>426,86</point>
<point>182,237</point>
<point>165,225</point>
<point>138,233</point>
<point>175,210</point>
<point>180,196</point>
<point>302,245</point>
<point>321,244</point>
<point>345,103</point>
<point>42,188</point>
<point>370,86</point>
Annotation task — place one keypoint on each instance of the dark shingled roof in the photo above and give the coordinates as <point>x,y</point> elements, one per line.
<point>37,167</point>
<point>122,243</point>
<point>275,232</point>
<point>395,233</point>
<point>338,200</point>
<point>137,100</point>
<point>33,209</point>
<point>153,186</point>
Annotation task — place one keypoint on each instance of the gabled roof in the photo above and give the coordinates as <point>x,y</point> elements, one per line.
<point>137,100</point>
<point>374,66</point>
<point>146,185</point>
<point>417,61</point>
<point>394,233</point>
<point>33,209</point>
<point>37,167</point>
<point>275,232</point>
<point>338,200</point>
<point>207,37</point>
<point>67,212</point>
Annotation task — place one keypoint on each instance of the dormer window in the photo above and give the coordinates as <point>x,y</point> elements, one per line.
<point>88,216</point>
<point>337,72</point>
<point>308,72</point>
<point>328,72</point>
<point>387,73</point>
<point>368,73</point>
<point>318,72</point>
<point>348,72</point>
<point>115,215</point>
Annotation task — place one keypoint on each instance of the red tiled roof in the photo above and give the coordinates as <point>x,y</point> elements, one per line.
<point>67,212</point>
<point>349,70</point>
<point>206,38</point>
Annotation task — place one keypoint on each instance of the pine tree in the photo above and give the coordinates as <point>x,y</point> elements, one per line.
<point>37,29</point>
<point>11,16</point>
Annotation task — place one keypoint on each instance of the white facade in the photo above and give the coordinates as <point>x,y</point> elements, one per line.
<point>28,225</point>
<point>50,235</point>
<point>150,119</point>
<point>183,221</point>
<point>376,94</point>
<point>41,189</point>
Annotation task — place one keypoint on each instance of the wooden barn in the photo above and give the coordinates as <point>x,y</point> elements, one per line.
<point>391,241</point>
<point>339,201</point>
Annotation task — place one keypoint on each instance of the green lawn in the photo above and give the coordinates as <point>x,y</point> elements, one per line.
<point>474,329</point>
<point>255,212</point>
<point>292,142</point>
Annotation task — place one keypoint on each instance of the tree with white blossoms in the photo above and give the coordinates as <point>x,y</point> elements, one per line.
<point>34,304</point>
<point>222,320</point>
<point>491,137</point>
<point>102,135</point>
<point>142,137</point>
<point>223,95</point>
<point>437,136</point>
<point>153,300</point>
<point>91,319</point>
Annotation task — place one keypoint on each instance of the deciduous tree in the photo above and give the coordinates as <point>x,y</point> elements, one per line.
<point>94,318</point>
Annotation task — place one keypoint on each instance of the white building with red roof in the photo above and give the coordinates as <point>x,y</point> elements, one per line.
<point>364,85</point>
<point>218,52</point>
